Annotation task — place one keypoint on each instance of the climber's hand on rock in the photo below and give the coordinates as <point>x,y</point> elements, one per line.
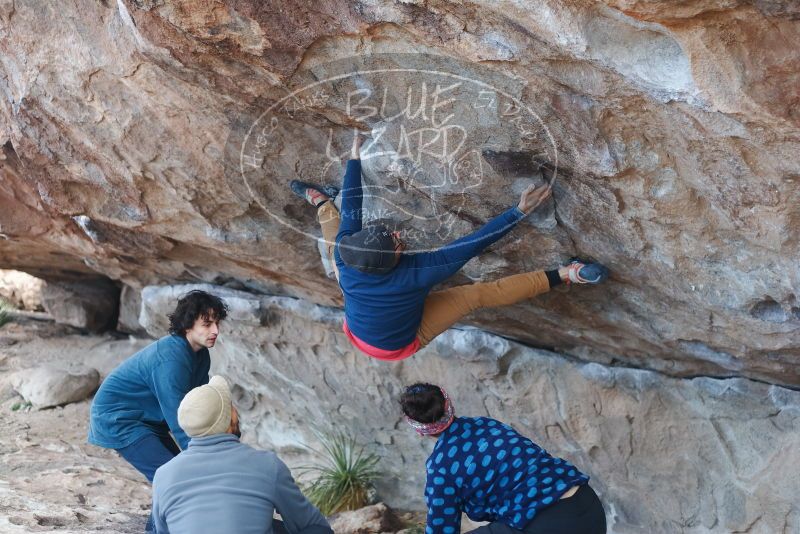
<point>358,140</point>
<point>532,197</point>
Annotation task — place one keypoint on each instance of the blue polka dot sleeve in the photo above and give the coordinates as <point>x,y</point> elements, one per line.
<point>444,505</point>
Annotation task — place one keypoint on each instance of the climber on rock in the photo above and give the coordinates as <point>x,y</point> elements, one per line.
<point>487,470</point>
<point>390,312</point>
<point>136,407</point>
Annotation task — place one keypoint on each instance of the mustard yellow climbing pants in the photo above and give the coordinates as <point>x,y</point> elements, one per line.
<point>446,307</point>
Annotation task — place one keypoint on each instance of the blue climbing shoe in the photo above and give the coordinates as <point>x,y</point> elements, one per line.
<point>331,190</point>
<point>311,193</point>
<point>582,272</point>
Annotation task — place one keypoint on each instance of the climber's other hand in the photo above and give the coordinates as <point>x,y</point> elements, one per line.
<point>533,196</point>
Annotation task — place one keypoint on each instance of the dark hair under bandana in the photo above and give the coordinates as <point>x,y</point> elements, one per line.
<point>436,427</point>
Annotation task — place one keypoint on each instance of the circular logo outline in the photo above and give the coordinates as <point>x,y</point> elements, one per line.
<point>294,93</point>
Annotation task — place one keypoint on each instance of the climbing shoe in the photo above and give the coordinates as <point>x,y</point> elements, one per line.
<point>581,272</point>
<point>331,190</point>
<point>313,194</point>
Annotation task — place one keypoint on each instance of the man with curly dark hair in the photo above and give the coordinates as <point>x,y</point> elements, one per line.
<point>136,407</point>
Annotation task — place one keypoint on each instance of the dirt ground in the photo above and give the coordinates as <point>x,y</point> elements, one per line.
<point>50,478</point>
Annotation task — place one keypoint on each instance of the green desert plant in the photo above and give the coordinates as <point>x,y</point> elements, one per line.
<point>5,312</point>
<point>17,406</point>
<point>344,480</point>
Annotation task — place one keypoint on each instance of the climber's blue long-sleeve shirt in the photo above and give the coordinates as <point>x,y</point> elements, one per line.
<point>486,469</point>
<point>385,310</point>
<point>142,395</point>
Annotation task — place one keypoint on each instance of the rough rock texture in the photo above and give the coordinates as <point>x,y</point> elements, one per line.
<point>665,454</point>
<point>52,479</point>
<point>89,304</point>
<point>671,130</point>
<point>49,386</point>
<point>22,290</point>
<point>374,519</point>
<point>130,303</point>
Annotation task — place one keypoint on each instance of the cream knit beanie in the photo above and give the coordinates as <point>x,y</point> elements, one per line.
<point>206,410</point>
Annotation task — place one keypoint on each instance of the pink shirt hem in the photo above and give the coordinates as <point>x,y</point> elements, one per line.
<point>381,354</point>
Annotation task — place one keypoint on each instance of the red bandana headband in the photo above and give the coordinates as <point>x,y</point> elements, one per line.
<point>437,427</point>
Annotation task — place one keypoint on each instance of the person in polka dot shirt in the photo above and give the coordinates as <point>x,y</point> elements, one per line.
<point>484,468</point>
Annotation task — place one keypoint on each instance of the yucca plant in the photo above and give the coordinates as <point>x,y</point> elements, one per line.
<point>345,479</point>
<point>5,312</point>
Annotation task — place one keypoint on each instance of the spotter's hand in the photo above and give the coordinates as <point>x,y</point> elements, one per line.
<point>532,197</point>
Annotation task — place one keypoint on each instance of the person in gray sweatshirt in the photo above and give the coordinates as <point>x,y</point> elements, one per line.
<point>219,485</point>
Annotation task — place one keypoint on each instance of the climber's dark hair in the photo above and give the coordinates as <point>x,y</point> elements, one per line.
<point>192,305</point>
<point>423,402</point>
